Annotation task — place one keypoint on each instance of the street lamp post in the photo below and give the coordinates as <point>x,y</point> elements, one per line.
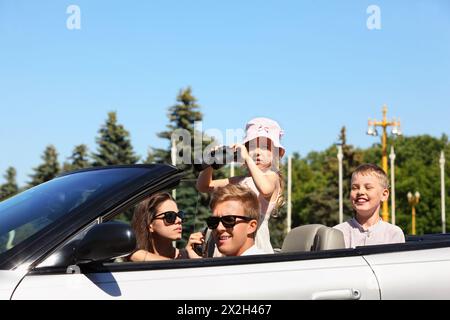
<point>442,163</point>
<point>392,156</point>
<point>396,130</point>
<point>173,156</point>
<point>340,157</point>
<point>413,202</point>
<point>289,202</point>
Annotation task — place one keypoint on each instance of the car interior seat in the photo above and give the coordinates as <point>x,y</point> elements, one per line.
<point>313,237</point>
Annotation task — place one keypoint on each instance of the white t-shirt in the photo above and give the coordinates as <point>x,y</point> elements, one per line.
<point>252,251</point>
<point>381,233</point>
<point>262,239</point>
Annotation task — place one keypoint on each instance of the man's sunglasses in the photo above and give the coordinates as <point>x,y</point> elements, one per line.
<point>170,216</point>
<point>228,221</point>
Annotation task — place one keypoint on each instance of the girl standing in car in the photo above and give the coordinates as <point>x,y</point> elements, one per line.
<point>261,152</point>
<point>157,222</point>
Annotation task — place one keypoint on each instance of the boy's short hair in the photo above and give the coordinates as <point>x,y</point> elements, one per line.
<point>240,193</point>
<point>375,170</point>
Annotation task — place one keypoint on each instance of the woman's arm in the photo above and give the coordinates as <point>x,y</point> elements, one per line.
<point>144,255</point>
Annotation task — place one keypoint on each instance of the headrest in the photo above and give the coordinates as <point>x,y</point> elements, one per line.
<point>301,238</point>
<point>313,237</point>
<point>329,239</point>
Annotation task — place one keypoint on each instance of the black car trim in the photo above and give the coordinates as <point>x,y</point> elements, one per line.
<point>35,250</point>
<point>119,166</point>
<point>161,185</point>
<point>244,260</point>
<point>142,194</point>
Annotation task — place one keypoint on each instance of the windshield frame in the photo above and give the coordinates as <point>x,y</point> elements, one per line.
<point>41,243</point>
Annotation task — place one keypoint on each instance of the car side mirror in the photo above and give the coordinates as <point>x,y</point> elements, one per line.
<point>106,241</point>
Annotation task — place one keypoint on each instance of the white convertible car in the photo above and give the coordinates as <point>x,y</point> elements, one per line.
<point>58,241</point>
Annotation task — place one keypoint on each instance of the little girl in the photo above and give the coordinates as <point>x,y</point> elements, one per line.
<point>261,151</point>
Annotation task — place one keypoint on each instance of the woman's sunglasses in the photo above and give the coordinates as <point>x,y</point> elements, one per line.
<point>170,216</point>
<point>228,221</point>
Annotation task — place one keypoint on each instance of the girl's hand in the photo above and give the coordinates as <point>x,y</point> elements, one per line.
<point>194,239</point>
<point>242,150</point>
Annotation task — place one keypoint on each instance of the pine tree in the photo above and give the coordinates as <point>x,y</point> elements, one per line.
<point>353,158</point>
<point>183,115</point>
<point>150,156</point>
<point>10,188</point>
<point>79,159</point>
<point>114,145</point>
<point>48,170</point>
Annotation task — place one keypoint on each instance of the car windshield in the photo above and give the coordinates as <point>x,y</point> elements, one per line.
<point>29,212</point>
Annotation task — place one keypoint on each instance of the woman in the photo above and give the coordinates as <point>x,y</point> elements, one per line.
<point>157,222</point>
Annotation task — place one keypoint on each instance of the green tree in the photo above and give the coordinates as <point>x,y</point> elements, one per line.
<point>316,201</point>
<point>78,159</point>
<point>114,145</point>
<point>9,188</point>
<point>353,158</point>
<point>48,169</point>
<point>418,169</point>
<point>150,156</point>
<point>183,115</point>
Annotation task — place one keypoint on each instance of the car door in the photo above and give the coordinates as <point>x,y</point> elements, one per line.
<point>414,274</point>
<point>277,276</point>
<point>9,279</point>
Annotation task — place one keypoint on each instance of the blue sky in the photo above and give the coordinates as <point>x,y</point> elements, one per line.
<point>313,66</point>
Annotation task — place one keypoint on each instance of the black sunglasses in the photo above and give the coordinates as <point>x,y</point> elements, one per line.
<point>170,216</point>
<point>228,221</point>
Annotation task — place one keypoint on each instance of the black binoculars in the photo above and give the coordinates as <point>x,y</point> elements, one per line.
<point>219,158</point>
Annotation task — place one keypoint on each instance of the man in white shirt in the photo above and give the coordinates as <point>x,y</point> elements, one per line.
<point>235,220</point>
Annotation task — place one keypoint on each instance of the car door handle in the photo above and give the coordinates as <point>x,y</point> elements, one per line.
<point>345,294</point>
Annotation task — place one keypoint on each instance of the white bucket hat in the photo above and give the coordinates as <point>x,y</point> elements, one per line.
<point>264,127</point>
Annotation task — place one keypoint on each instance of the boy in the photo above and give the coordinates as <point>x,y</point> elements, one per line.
<point>370,187</point>
<point>235,220</point>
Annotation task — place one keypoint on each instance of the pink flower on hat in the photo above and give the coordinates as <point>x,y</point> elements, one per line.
<point>265,127</point>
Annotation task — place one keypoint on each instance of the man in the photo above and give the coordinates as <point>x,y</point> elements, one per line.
<point>235,220</point>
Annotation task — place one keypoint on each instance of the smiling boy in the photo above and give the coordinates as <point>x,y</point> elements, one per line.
<point>370,187</point>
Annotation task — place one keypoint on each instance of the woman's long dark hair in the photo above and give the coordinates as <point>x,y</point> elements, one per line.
<point>143,216</point>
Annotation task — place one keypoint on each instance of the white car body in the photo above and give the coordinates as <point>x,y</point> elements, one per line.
<point>401,275</point>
